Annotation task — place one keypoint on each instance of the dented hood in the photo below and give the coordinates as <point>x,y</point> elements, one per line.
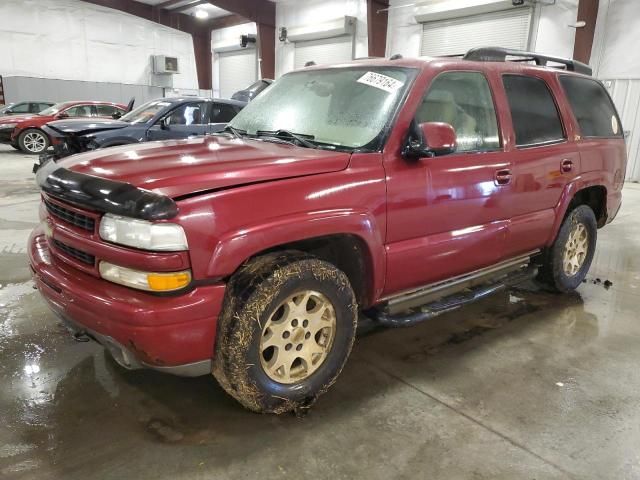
<point>82,126</point>
<point>184,167</point>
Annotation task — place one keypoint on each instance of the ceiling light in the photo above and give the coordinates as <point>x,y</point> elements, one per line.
<point>202,14</point>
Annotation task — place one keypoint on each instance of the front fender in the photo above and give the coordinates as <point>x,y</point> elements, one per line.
<point>236,247</point>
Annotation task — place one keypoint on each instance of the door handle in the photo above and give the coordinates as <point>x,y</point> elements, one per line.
<point>503,177</point>
<point>566,165</point>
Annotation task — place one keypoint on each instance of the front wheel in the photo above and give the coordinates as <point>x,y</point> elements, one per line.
<point>33,141</point>
<point>286,330</point>
<point>569,258</point>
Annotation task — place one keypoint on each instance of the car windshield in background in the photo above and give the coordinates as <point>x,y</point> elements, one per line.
<point>53,109</point>
<point>339,107</point>
<point>145,112</point>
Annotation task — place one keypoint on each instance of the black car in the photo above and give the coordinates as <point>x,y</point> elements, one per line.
<point>21,108</point>
<point>161,119</point>
<point>252,90</point>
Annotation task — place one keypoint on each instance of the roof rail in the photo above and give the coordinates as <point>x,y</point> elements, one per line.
<point>497,54</point>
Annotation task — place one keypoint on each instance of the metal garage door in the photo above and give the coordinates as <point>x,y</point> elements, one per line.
<point>626,96</point>
<point>507,28</point>
<point>325,51</point>
<point>238,70</point>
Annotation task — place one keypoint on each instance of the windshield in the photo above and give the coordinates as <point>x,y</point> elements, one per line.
<point>145,112</point>
<point>343,107</point>
<point>53,109</point>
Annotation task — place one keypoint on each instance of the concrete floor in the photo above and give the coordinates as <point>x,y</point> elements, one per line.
<point>524,385</point>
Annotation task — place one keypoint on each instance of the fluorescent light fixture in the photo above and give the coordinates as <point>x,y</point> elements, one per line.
<point>201,14</point>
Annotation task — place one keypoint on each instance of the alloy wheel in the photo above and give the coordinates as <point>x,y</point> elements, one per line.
<point>575,250</point>
<point>297,337</point>
<point>34,142</point>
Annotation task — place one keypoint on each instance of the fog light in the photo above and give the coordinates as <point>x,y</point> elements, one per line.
<point>150,281</point>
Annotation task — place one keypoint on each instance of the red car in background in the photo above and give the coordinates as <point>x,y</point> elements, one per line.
<point>23,132</point>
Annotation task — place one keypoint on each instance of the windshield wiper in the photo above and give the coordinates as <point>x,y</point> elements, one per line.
<point>235,131</point>
<point>298,137</point>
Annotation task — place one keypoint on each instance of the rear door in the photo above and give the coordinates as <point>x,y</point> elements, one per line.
<point>544,158</point>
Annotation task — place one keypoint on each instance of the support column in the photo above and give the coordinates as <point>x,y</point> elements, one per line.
<point>587,12</point>
<point>267,50</point>
<point>377,27</point>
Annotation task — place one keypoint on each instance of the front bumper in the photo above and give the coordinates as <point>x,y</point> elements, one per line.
<point>175,334</point>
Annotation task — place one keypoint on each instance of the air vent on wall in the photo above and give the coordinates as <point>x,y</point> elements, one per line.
<point>163,64</point>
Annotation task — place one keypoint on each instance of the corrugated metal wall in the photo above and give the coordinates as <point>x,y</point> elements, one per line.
<point>626,96</point>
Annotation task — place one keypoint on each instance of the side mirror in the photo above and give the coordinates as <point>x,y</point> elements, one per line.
<point>434,139</point>
<point>62,115</point>
<point>116,115</point>
<point>8,111</point>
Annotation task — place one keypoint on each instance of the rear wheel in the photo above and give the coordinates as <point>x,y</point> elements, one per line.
<point>286,330</point>
<point>569,258</point>
<point>33,141</point>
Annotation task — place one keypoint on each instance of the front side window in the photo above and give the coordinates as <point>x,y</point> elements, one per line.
<point>534,113</point>
<point>333,108</point>
<point>188,114</point>
<point>106,110</point>
<point>592,107</point>
<point>464,101</point>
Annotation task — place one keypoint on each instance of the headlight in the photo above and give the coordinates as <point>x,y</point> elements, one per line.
<point>166,237</point>
<point>8,126</point>
<point>149,281</point>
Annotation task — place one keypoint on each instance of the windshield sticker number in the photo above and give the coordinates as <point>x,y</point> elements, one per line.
<point>380,81</point>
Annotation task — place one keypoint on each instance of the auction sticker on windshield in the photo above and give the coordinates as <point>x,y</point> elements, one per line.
<point>380,81</point>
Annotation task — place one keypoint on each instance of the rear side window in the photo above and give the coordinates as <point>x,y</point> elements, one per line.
<point>222,113</point>
<point>534,113</point>
<point>106,110</point>
<point>592,107</point>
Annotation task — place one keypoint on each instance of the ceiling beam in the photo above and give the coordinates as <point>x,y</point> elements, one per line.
<point>227,21</point>
<point>168,3</point>
<point>259,11</point>
<point>189,5</point>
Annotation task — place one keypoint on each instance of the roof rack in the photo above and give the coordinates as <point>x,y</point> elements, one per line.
<point>497,54</point>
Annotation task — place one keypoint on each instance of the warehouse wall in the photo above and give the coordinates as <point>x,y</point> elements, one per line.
<point>616,62</point>
<point>549,33</point>
<point>74,40</point>
<point>294,13</point>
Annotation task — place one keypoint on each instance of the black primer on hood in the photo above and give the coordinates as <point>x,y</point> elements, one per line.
<point>104,195</point>
<point>82,127</point>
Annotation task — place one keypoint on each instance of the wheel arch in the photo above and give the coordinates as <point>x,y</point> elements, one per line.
<point>592,193</point>
<point>350,241</point>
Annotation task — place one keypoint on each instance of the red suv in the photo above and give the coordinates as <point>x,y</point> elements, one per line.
<point>401,188</point>
<point>24,132</point>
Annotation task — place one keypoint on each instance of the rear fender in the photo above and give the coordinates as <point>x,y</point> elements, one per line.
<point>589,179</point>
<point>240,245</point>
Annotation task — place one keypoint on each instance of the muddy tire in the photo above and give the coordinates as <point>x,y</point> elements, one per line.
<point>568,260</point>
<point>286,329</point>
<point>33,141</point>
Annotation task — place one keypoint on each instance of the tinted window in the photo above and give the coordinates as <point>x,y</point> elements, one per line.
<point>106,110</point>
<point>44,106</point>
<point>188,114</point>
<point>534,113</point>
<point>79,111</point>
<point>463,100</point>
<point>592,107</point>
<point>222,113</point>
<point>20,108</point>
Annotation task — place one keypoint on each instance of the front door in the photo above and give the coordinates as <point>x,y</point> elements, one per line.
<point>187,120</point>
<point>446,214</point>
